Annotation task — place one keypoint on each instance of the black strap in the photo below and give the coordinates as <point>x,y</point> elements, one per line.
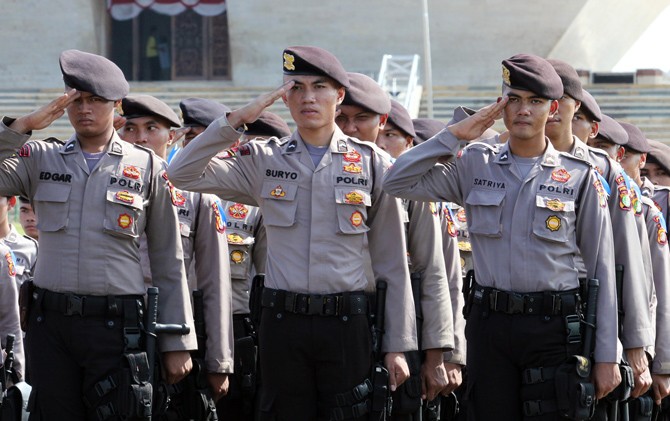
<point>132,334</point>
<point>539,407</point>
<point>538,375</point>
<point>345,304</point>
<point>548,303</point>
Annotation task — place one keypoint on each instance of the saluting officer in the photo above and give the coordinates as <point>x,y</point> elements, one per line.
<point>530,210</point>
<point>95,195</point>
<point>23,246</point>
<point>27,218</point>
<point>150,123</point>
<point>321,199</point>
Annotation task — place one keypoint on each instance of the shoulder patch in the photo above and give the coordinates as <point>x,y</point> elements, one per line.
<point>25,151</point>
<point>219,218</point>
<point>11,268</point>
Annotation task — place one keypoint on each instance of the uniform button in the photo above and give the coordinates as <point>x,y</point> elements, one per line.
<point>530,310</point>
<point>39,319</point>
<point>345,318</point>
<point>279,315</point>
<point>532,300</point>
<point>110,323</point>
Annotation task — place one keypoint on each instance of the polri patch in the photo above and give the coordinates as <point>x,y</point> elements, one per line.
<point>131,171</point>
<point>356,219</point>
<point>124,220</point>
<point>278,192</point>
<point>352,156</point>
<point>553,223</point>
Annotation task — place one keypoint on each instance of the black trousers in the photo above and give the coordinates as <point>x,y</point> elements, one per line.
<point>500,347</point>
<point>67,355</point>
<point>307,360</point>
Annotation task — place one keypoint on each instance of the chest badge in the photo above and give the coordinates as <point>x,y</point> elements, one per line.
<point>560,175</point>
<point>353,198</point>
<point>460,215</point>
<point>235,239</point>
<point>131,172</point>
<point>238,211</point>
<point>556,205</point>
<point>553,223</point>
<point>356,219</point>
<point>124,196</point>
<point>353,168</point>
<point>352,156</point>
<point>124,220</point>
<point>237,256</point>
<point>10,264</point>
<point>278,192</point>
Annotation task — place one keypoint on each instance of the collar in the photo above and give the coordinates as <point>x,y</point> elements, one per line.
<point>115,146</point>
<point>579,149</point>
<point>549,157</point>
<point>295,143</point>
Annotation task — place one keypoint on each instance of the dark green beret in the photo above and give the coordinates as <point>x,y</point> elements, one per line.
<point>94,74</point>
<point>532,73</point>
<point>135,106</point>
<point>201,111</point>
<point>365,92</point>
<point>310,60</point>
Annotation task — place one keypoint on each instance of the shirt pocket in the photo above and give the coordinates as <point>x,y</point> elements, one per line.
<point>122,211</point>
<point>485,212</point>
<point>352,212</point>
<point>279,204</point>
<point>553,217</point>
<point>239,249</point>
<point>52,205</point>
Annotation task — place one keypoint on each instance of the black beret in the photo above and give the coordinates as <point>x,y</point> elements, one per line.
<point>425,128</point>
<point>572,84</point>
<point>637,141</point>
<point>309,60</point>
<point>135,106</point>
<point>590,106</point>
<point>268,124</point>
<point>659,153</point>
<point>532,73</point>
<point>365,92</point>
<point>24,199</point>
<point>200,111</point>
<point>610,130</point>
<point>400,118</point>
<point>93,73</point>
<point>461,113</point>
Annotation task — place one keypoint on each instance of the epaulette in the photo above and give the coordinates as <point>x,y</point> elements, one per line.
<point>576,159</point>
<point>54,140</point>
<point>372,146</point>
<point>144,148</point>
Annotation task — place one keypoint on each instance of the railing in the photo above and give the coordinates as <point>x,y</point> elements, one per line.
<point>399,76</point>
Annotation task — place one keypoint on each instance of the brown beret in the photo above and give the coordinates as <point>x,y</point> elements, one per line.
<point>135,106</point>
<point>365,92</point>
<point>637,141</point>
<point>610,130</point>
<point>590,106</point>
<point>425,128</point>
<point>532,73</point>
<point>572,84</point>
<point>400,118</point>
<point>310,60</point>
<point>659,153</point>
<point>201,111</point>
<point>93,73</point>
<point>268,124</point>
<point>461,113</point>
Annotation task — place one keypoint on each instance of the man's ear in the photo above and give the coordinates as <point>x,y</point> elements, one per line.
<point>595,127</point>
<point>553,108</point>
<point>643,160</point>
<point>341,92</point>
<point>620,153</point>
<point>383,118</point>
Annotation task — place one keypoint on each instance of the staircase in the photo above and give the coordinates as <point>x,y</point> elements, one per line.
<point>646,106</point>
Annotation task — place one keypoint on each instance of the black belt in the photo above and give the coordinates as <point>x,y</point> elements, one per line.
<point>345,304</point>
<point>550,303</point>
<point>87,305</point>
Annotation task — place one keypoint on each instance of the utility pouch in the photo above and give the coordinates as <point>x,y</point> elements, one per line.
<point>641,408</point>
<point>25,301</point>
<point>575,395</point>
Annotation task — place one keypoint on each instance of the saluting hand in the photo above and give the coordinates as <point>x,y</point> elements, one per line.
<point>396,364</point>
<point>177,365</point>
<point>46,114</point>
<point>475,125</point>
<point>218,383</point>
<point>250,112</point>
<point>119,122</point>
<point>433,375</point>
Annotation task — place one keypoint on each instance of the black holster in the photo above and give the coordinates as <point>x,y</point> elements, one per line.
<point>641,409</point>
<point>25,302</point>
<point>191,398</point>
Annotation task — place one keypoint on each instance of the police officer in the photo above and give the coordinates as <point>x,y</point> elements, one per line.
<point>320,195</point>
<point>94,195</point>
<point>657,168</point>
<point>627,224</point>
<point>23,246</point>
<point>365,108</point>
<point>197,114</point>
<point>633,160</point>
<point>149,123</point>
<point>530,210</point>
<point>27,218</point>
<point>587,117</point>
<point>9,312</point>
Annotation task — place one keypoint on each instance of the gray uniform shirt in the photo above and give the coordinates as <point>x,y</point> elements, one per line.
<point>316,219</point>
<point>526,232</point>
<point>90,222</point>
<point>9,309</point>
<point>25,252</point>
<point>247,244</point>
<point>628,231</point>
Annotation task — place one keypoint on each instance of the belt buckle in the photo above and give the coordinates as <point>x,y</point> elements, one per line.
<point>74,305</point>
<point>515,303</point>
<point>493,299</point>
<point>315,305</point>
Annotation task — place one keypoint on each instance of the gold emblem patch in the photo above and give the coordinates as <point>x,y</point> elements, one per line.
<point>356,219</point>
<point>278,192</point>
<point>124,196</point>
<point>124,220</point>
<point>555,205</point>
<point>353,198</point>
<point>237,256</point>
<point>238,211</point>
<point>506,76</point>
<point>353,168</point>
<point>235,239</point>
<point>553,223</point>
<point>288,61</point>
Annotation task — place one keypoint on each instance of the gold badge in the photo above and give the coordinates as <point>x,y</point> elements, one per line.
<point>219,223</point>
<point>464,246</point>
<point>353,168</point>
<point>288,61</point>
<point>237,256</point>
<point>556,205</point>
<point>506,76</point>
<point>356,219</point>
<point>460,215</point>
<point>352,156</point>
<point>278,192</point>
<point>560,175</point>
<point>235,238</point>
<point>353,198</point>
<point>124,196</point>
<point>662,237</point>
<point>10,264</point>
<point>462,262</point>
<point>124,220</point>
<point>553,223</point>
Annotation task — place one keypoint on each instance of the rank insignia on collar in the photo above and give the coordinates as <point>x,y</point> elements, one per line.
<point>124,196</point>
<point>219,221</point>
<point>131,171</point>
<point>553,223</point>
<point>124,220</point>
<point>238,211</point>
<point>288,61</point>
<point>353,168</point>
<point>504,156</point>
<point>561,175</point>
<point>237,256</point>
<point>278,192</point>
<point>69,147</point>
<point>352,156</point>
<point>341,145</point>
<point>234,238</point>
<point>11,269</point>
<point>353,198</point>
<point>579,153</point>
<point>356,219</point>
<point>292,145</point>
<point>116,147</point>
<point>550,160</point>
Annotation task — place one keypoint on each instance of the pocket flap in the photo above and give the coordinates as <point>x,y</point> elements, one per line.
<point>52,192</point>
<point>278,190</point>
<point>485,198</point>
